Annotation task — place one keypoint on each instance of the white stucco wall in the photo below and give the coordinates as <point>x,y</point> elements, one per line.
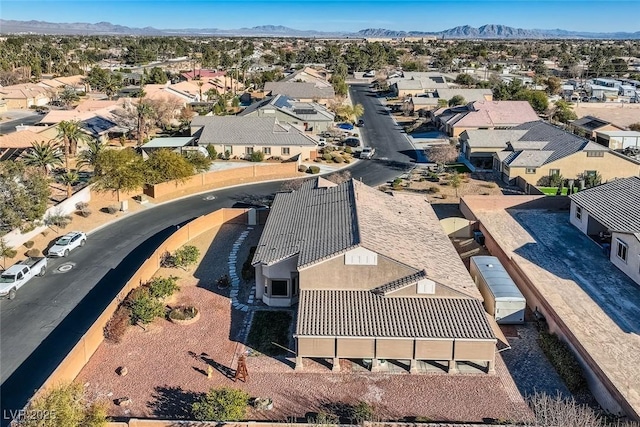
<point>630,267</point>
<point>580,224</point>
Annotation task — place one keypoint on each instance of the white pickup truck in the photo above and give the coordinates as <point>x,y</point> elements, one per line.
<point>14,277</point>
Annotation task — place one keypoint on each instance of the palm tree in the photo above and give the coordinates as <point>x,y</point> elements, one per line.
<point>69,178</point>
<point>349,112</point>
<point>89,156</point>
<point>145,111</point>
<point>70,134</point>
<point>44,155</point>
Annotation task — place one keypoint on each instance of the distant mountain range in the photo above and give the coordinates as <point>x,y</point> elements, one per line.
<point>491,31</point>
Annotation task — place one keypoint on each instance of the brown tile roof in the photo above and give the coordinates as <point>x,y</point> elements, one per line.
<point>399,283</point>
<point>331,313</point>
<point>20,139</point>
<point>318,223</point>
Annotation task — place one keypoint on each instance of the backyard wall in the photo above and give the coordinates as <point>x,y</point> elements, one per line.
<point>78,357</point>
<point>217,179</point>
<point>15,238</point>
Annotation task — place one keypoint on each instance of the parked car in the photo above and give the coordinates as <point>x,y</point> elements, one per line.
<point>360,123</point>
<point>367,152</point>
<point>19,274</point>
<point>67,243</point>
<point>345,126</point>
<point>352,142</point>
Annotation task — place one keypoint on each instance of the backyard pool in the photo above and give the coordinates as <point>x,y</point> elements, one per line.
<point>432,134</point>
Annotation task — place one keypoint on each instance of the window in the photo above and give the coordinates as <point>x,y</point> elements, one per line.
<point>228,148</point>
<point>621,250</point>
<point>530,170</point>
<point>554,172</point>
<point>285,150</point>
<point>248,150</point>
<point>279,288</point>
<point>267,150</point>
<point>595,153</point>
<point>579,212</point>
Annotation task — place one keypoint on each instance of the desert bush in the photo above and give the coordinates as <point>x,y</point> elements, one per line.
<point>362,412</point>
<point>313,169</point>
<point>302,168</point>
<point>223,404</point>
<point>85,212</point>
<point>117,326</point>
<point>29,244</point>
<point>144,308</point>
<point>186,256</point>
<point>59,220</point>
<point>256,156</point>
<point>338,159</point>
<point>434,189</point>
<point>327,157</point>
<point>82,205</point>
<point>162,287</point>
<point>212,152</point>
<point>347,160</point>
<point>397,183</point>
<point>112,209</point>
<point>183,313</point>
<point>564,361</point>
<point>67,406</point>
<point>488,185</point>
<point>34,253</point>
<point>348,150</point>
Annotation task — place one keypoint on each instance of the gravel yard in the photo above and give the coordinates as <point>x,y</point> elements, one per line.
<point>167,363</point>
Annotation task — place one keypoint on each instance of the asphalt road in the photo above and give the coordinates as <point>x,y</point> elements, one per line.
<point>10,126</point>
<point>50,314</point>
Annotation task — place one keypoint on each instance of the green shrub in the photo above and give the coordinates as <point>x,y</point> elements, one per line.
<point>313,169</point>
<point>362,412</point>
<point>186,256</point>
<point>34,253</point>
<point>67,406</point>
<point>213,154</point>
<point>347,160</point>
<point>162,287</point>
<point>302,168</point>
<point>327,156</point>
<point>348,150</point>
<point>434,189</point>
<point>338,159</point>
<point>223,404</point>
<point>257,156</point>
<point>562,358</point>
<point>29,244</point>
<point>144,308</point>
<point>397,183</point>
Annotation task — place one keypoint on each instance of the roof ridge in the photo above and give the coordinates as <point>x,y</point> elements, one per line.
<point>356,223</point>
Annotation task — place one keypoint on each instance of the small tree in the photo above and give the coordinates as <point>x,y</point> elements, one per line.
<point>144,307</point>
<point>166,165</point>
<point>6,251</point>
<point>457,100</point>
<point>199,161</point>
<point>119,170</point>
<point>455,181</point>
<point>362,412</point>
<point>186,256</point>
<point>224,404</point>
<point>442,154</point>
<point>68,406</point>
<point>257,156</point>
<point>213,154</point>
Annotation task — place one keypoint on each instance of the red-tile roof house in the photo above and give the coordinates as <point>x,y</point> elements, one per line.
<point>484,115</point>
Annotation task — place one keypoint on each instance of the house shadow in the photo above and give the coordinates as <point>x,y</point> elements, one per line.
<point>172,402</point>
<point>562,250</point>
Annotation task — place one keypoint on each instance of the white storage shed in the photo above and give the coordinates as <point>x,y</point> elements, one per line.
<point>502,298</point>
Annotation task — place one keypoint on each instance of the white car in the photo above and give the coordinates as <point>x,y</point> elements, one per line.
<point>367,152</point>
<point>67,243</point>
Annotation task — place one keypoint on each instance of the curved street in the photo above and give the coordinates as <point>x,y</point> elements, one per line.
<point>48,317</point>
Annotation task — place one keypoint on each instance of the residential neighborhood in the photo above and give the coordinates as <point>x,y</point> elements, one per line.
<point>269,225</point>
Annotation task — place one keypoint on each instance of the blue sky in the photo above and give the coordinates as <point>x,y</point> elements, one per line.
<point>332,15</point>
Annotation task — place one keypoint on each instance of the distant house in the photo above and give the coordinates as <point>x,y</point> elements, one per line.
<point>545,150</point>
<point>242,136</point>
<point>369,280</point>
<point>301,91</point>
<point>15,144</point>
<point>609,214</point>
<point>618,139</point>
<point>178,144</point>
<point>319,78</point>
<point>25,95</point>
<point>588,125</point>
<point>433,100</point>
<point>415,84</point>
<point>309,116</point>
<point>483,115</point>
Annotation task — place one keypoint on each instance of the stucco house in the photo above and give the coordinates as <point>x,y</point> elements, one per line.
<point>310,116</point>
<point>587,126</point>
<point>25,95</point>
<point>241,136</point>
<point>618,140</point>
<point>374,277</point>
<point>483,115</point>
<point>415,84</point>
<point>544,150</point>
<point>432,100</point>
<point>301,91</point>
<point>610,214</point>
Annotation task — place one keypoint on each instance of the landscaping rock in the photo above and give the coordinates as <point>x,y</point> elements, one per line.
<point>122,371</point>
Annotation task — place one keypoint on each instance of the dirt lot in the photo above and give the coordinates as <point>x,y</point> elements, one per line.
<point>617,113</point>
<point>167,365</point>
<point>438,187</point>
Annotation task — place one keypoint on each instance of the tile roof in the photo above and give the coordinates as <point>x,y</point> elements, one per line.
<point>497,113</point>
<point>168,142</point>
<point>589,122</point>
<point>317,223</point>
<point>299,90</point>
<point>304,111</point>
<point>253,131</point>
<point>491,139</point>
<point>336,313</point>
<point>20,139</point>
<point>470,95</point>
<point>400,283</point>
<point>529,158</point>
<point>615,204</point>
